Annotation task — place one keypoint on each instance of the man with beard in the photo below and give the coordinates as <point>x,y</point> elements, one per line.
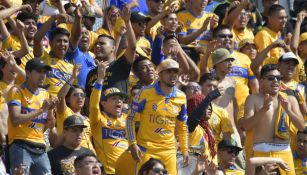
<point>79,49</point>
<point>277,20</point>
<point>62,157</point>
<point>119,69</point>
<point>160,108</point>
<point>268,114</point>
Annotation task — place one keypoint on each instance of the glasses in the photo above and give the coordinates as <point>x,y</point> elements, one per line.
<point>142,23</point>
<point>273,77</point>
<point>80,94</point>
<point>91,164</point>
<point>159,170</point>
<point>225,36</point>
<point>244,14</point>
<point>235,152</point>
<point>156,1</point>
<point>194,88</point>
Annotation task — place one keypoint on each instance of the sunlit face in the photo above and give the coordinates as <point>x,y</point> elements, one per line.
<point>192,88</point>
<point>155,6</point>
<point>8,72</point>
<point>228,156</point>
<point>36,77</point>
<point>59,45</point>
<point>88,166</point>
<point>84,41</point>
<point>76,99</point>
<point>224,39</point>
<point>278,20</point>
<point>224,66</point>
<point>287,69</point>
<point>30,28</point>
<point>103,48</point>
<point>208,86</point>
<point>169,77</point>
<point>139,28</point>
<point>113,105</point>
<point>170,23</point>
<point>242,20</point>
<point>301,143</point>
<point>270,83</point>
<point>146,71</point>
<point>113,15</point>
<point>157,169</point>
<point>198,4</point>
<point>250,50</point>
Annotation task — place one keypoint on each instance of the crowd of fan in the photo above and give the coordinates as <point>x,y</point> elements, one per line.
<point>162,87</point>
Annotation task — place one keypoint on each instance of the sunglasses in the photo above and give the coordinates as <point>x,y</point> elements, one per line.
<point>225,36</point>
<point>235,152</point>
<point>159,170</point>
<point>156,1</point>
<point>80,94</point>
<point>194,88</point>
<point>272,77</point>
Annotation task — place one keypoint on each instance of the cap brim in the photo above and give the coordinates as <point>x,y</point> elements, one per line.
<point>168,69</point>
<point>287,59</point>
<point>46,67</point>
<point>232,58</point>
<point>76,125</point>
<point>232,147</point>
<point>123,95</point>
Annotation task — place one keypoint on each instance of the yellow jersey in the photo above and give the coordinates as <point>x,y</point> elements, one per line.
<point>60,74</point>
<point>300,74</point>
<point>263,39</point>
<point>3,87</point>
<point>11,43</point>
<point>159,114</point>
<point>232,170</point>
<point>32,131</point>
<point>109,133</point>
<point>192,23</point>
<point>239,36</point>
<point>219,123</point>
<point>87,134</point>
<point>92,35</point>
<point>143,42</point>
<point>299,164</point>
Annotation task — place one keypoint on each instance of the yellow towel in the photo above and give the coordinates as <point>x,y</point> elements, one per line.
<point>282,122</point>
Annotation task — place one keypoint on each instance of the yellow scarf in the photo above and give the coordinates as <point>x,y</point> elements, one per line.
<point>282,123</point>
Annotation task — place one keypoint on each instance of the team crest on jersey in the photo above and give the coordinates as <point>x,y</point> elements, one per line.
<point>214,120</point>
<point>188,23</point>
<point>175,109</point>
<point>109,123</point>
<point>154,107</point>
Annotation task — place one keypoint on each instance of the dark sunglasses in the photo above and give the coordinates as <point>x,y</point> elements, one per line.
<point>194,88</point>
<point>156,1</point>
<point>80,94</point>
<point>159,170</point>
<point>225,36</point>
<point>272,77</point>
<point>235,152</point>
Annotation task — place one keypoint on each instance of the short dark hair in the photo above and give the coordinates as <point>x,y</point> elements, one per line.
<point>147,166</point>
<point>71,89</point>
<point>107,36</point>
<point>208,76</point>
<point>275,8</point>
<point>23,16</point>
<point>79,159</point>
<point>68,5</point>
<point>135,65</point>
<point>218,29</point>
<point>137,86</point>
<point>58,31</point>
<point>267,68</point>
<point>169,37</point>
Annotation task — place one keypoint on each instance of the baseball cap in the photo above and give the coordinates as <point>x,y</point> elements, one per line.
<point>168,63</point>
<point>288,56</point>
<point>139,17</point>
<point>244,42</point>
<point>228,144</point>
<point>220,55</point>
<point>37,64</point>
<point>74,120</point>
<point>111,92</point>
<point>303,37</point>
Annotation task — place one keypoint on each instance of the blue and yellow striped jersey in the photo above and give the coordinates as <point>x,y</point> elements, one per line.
<point>159,114</point>
<point>28,101</point>
<point>109,133</point>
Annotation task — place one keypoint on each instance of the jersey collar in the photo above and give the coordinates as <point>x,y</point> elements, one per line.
<point>24,85</point>
<point>160,92</point>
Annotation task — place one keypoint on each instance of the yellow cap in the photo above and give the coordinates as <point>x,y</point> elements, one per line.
<point>303,37</point>
<point>167,64</point>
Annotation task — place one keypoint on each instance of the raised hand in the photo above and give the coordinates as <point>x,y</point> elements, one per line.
<point>8,58</point>
<point>160,31</point>
<point>78,13</point>
<point>206,24</point>
<point>102,66</point>
<point>301,16</point>
<point>76,70</point>
<point>62,18</point>
<point>284,103</point>
<point>126,13</point>
<point>214,21</point>
<point>27,8</point>
<point>136,152</point>
<point>20,26</point>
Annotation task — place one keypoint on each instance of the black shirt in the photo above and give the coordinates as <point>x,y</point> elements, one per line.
<point>117,75</point>
<point>62,159</point>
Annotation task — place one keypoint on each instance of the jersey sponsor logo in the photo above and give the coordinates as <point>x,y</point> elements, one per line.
<point>34,126</point>
<point>108,133</point>
<point>162,120</point>
<point>238,72</point>
<point>58,74</point>
<point>162,131</point>
<point>154,107</point>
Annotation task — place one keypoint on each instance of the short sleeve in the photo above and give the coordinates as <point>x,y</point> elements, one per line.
<point>14,97</point>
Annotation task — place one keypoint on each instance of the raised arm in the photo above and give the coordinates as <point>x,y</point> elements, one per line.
<point>3,30</point>
<point>76,29</point>
<point>232,16</point>
<point>255,162</point>
<point>257,63</point>
<point>97,8</point>
<point>23,41</point>
<point>10,60</point>
<point>297,30</point>
<point>130,51</point>
<point>10,11</point>
<point>96,92</point>
<point>177,51</point>
<point>64,90</point>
